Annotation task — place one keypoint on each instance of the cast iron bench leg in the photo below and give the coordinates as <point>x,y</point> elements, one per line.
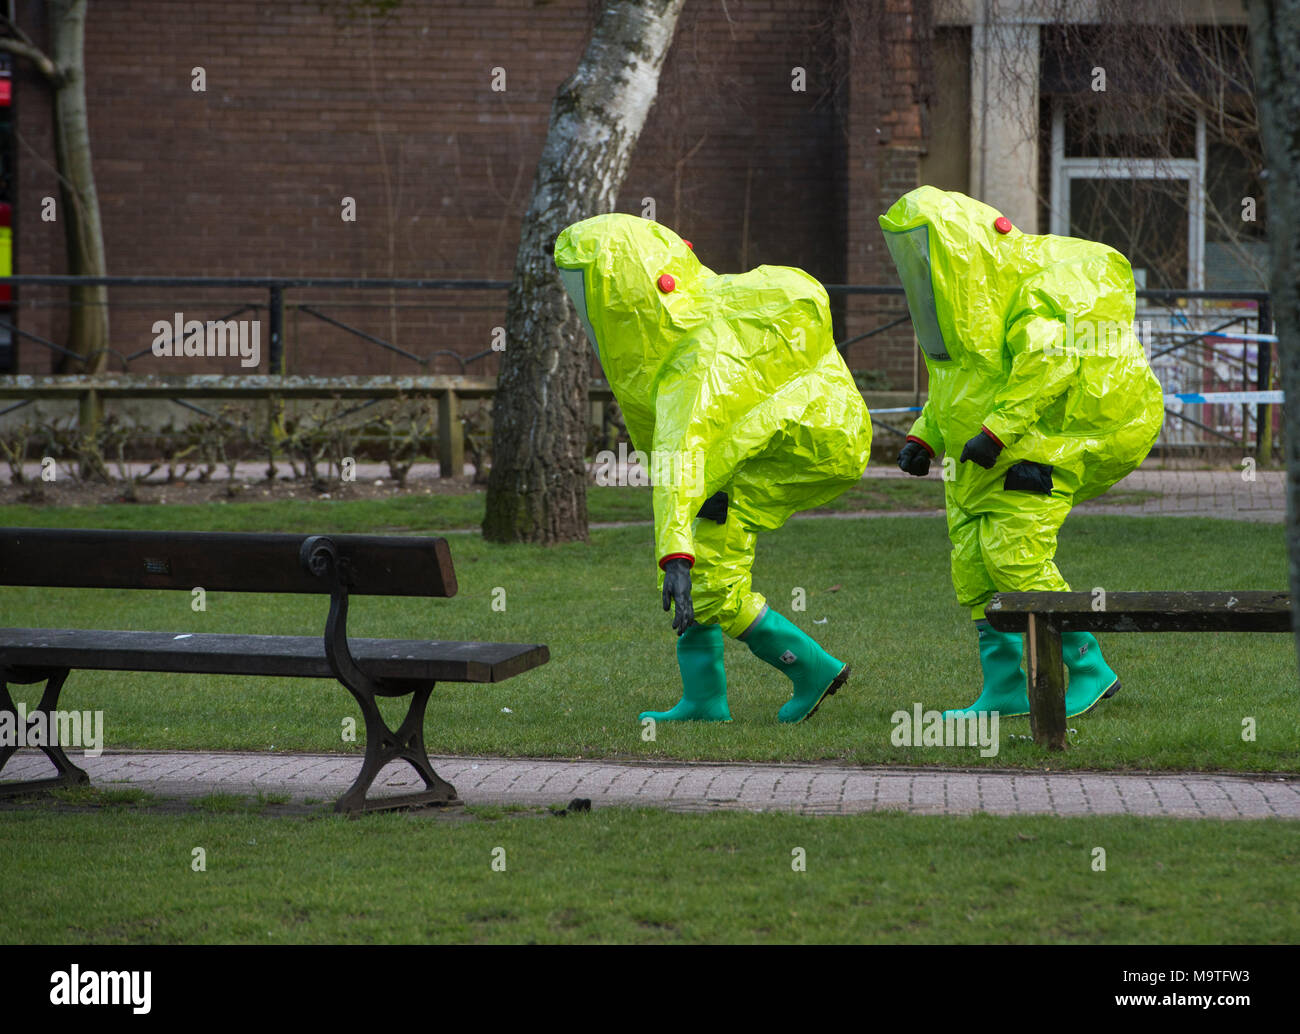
<point>1046,683</point>
<point>319,555</point>
<point>384,745</point>
<point>69,774</point>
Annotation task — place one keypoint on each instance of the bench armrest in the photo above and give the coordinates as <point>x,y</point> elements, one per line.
<point>320,557</point>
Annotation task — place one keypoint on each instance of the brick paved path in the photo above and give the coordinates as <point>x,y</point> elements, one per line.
<point>805,788</point>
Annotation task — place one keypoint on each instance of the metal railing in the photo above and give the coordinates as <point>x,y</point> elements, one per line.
<point>1194,347</point>
<point>274,307</point>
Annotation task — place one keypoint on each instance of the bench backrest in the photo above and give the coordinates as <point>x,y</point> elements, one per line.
<point>219,561</point>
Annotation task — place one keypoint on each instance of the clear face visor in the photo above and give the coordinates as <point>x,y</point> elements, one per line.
<point>910,250</point>
<point>573,283</point>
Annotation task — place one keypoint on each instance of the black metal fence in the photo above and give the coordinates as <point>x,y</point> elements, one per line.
<point>1198,340</point>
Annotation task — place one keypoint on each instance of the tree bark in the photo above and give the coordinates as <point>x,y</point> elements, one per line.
<point>537,489</point>
<point>88,327</point>
<point>1275,44</point>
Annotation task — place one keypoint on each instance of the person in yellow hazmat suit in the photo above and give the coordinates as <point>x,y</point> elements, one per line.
<point>733,387</point>
<point>1040,388</point>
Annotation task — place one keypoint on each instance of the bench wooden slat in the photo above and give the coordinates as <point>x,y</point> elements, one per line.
<point>107,559</point>
<point>1145,611</point>
<point>208,653</point>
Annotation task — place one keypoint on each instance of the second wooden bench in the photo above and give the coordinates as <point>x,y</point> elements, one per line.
<point>1043,616</point>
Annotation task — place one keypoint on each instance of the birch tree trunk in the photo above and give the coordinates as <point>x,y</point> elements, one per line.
<point>1275,43</point>
<point>537,489</point>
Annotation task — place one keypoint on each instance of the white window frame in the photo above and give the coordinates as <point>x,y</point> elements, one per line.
<point>1065,170</point>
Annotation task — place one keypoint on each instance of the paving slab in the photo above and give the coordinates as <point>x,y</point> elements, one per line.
<point>815,789</point>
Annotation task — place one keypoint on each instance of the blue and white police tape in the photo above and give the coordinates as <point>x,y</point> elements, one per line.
<point>1217,398</point>
<point>1225,335</point>
<point>1208,398</point>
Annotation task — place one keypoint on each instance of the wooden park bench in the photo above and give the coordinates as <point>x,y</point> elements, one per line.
<point>338,565</point>
<point>1043,616</point>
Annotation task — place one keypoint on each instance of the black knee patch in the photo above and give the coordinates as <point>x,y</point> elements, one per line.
<point>1028,476</point>
<point>715,508</point>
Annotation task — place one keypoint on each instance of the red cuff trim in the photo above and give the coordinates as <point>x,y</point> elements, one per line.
<point>921,441</point>
<point>993,436</point>
<point>676,556</point>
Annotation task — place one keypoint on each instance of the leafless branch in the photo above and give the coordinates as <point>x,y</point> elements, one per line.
<point>21,45</point>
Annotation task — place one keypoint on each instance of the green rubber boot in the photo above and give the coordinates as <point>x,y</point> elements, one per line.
<point>815,673</point>
<point>704,680</point>
<point>1091,678</point>
<point>1004,683</point>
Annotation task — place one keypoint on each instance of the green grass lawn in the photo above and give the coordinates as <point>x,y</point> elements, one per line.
<point>638,876</point>
<point>440,511</point>
<point>878,596</point>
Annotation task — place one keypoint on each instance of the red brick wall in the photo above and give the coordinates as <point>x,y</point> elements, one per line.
<point>886,135</point>
<point>302,109</point>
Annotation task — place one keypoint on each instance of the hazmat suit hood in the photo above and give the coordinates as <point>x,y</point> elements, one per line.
<point>612,268</point>
<point>734,374</point>
<point>1028,336</point>
<point>936,237</point>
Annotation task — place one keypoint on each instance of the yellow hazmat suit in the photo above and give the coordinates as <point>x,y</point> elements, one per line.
<point>727,383</point>
<point>731,384</point>
<point>1029,338</point>
<point>1040,395</point>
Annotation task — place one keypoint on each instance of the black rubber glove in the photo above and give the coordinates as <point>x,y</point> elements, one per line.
<point>981,449</point>
<point>715,508</point>
<point>677,590</point>
<point>914,459</point>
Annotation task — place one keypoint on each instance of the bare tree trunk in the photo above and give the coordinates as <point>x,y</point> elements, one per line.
<point>537,490</point>
<point>64,69</point>
<point>1275,41</point>
<point>88,331</point>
